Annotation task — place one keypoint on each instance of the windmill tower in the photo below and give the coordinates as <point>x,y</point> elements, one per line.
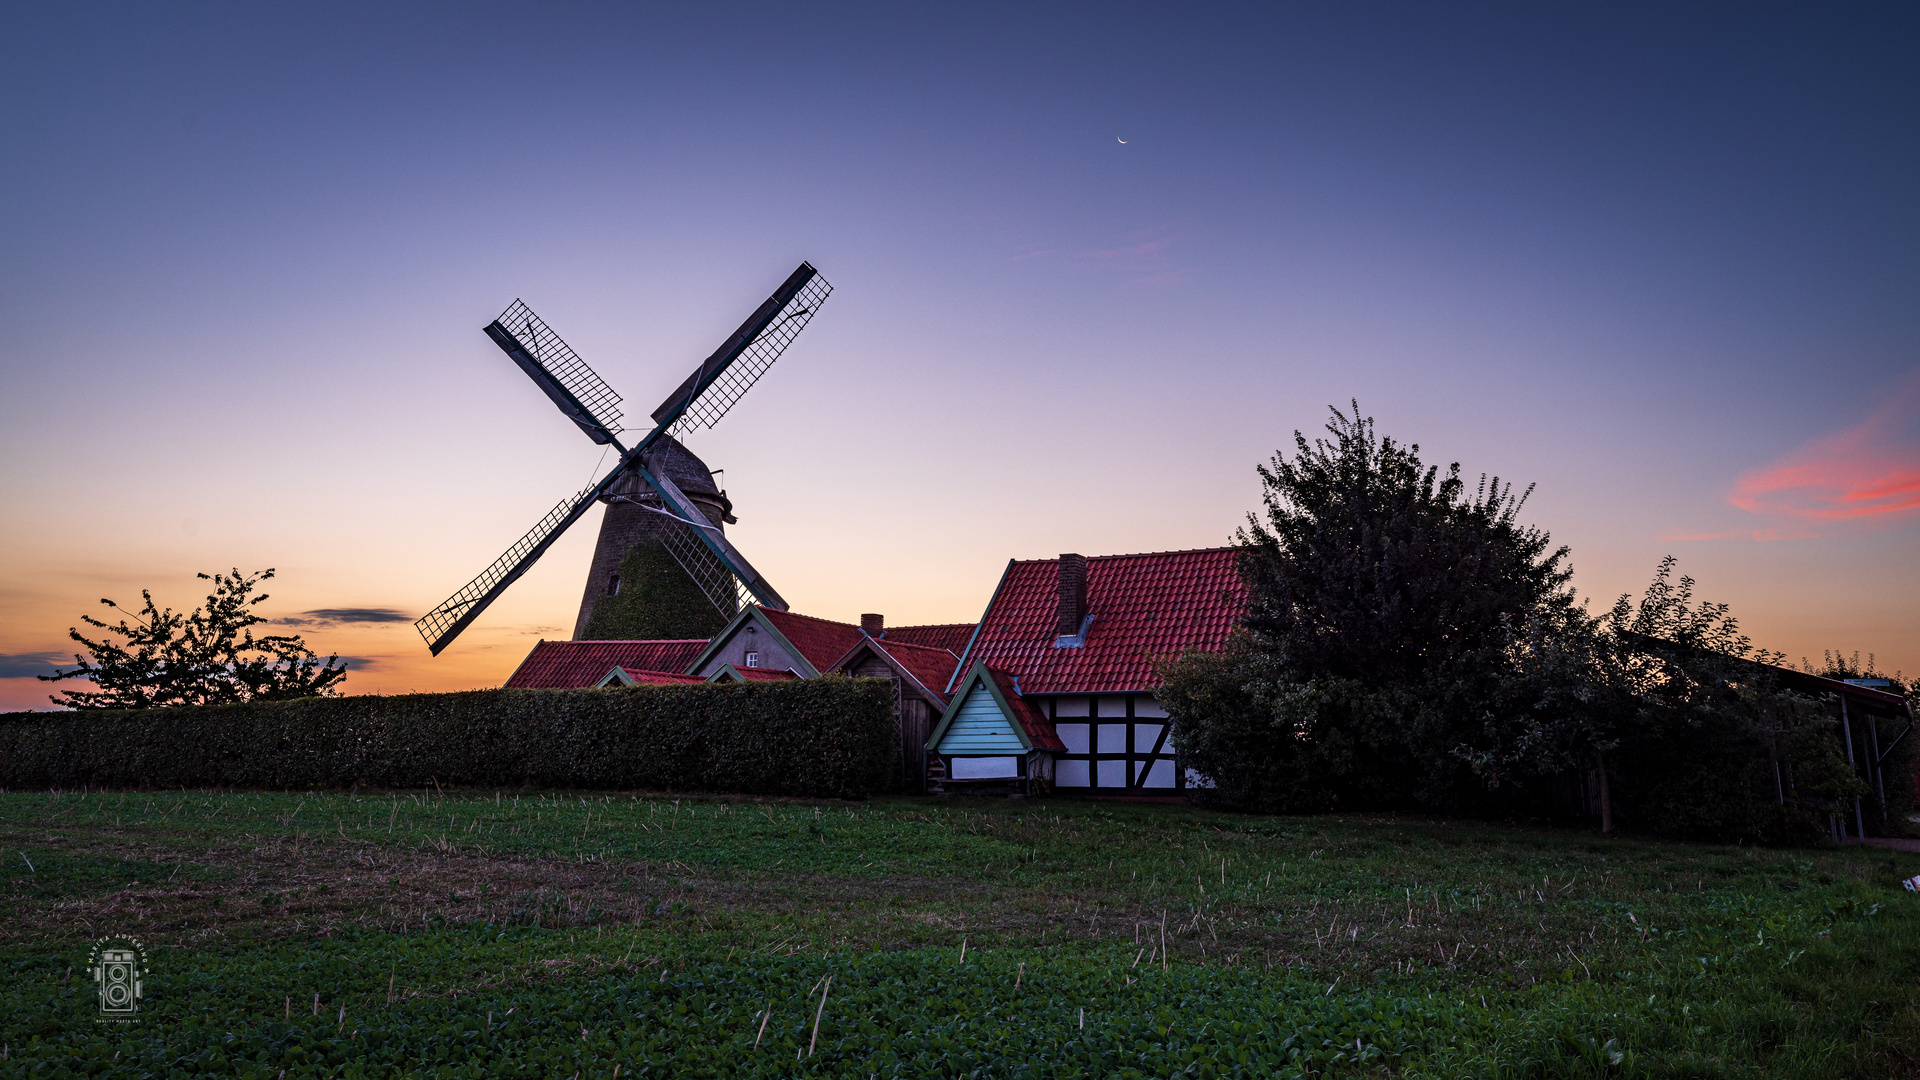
<point>635,589</point>
<point>646,484</point>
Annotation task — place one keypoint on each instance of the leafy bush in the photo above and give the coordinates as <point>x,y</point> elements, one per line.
<point>824,737</point>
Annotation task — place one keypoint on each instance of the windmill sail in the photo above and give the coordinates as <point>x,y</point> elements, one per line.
<point>721,588</point>
<point>583,396</point>
<point>441,625</point>
<point>719,569</point>
<point>713,547</point>
<point>737,364</point>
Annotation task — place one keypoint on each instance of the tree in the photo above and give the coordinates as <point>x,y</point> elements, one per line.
<point>1668,695</point>
<point>206,657</point>
<point>1382,598</point>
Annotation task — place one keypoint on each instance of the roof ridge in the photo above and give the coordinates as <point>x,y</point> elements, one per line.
<point>623,641</point>
<point>1140,555</point>
<point>809,618</point>
<point>907,645</point>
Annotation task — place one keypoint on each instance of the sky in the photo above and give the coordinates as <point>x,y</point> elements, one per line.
<point>1091,264</point>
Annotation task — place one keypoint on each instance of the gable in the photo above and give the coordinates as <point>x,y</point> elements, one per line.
<point>751,632</point>
<point>818,642</point>
<point>923,670</point>
<point>806,644</point>
<point>976,725</point>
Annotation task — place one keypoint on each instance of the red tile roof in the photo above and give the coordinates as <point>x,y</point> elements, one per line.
<point>820,641</point>
<point>1145,607</point>
<point>568,664</point>
<point>953,636</point>
<point>1039,728</point>
<point>659,678</point>
<point>932,667</point>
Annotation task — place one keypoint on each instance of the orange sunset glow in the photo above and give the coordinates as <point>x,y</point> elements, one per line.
<point>1085,282</point>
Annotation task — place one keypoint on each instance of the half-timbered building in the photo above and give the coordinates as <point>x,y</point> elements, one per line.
<point>1076,641</point>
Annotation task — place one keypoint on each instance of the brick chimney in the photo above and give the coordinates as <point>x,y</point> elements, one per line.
<point>874,625</point>
<point>1073,594</point>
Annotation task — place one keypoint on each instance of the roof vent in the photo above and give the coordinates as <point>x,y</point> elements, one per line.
<point>873,625</point>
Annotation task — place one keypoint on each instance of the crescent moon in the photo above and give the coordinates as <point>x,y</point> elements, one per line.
<point>1123,142</point>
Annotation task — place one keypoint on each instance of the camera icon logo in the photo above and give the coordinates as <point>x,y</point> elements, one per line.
<point>118,967</point>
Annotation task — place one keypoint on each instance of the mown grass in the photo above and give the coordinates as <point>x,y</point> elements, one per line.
<point>554,933</point>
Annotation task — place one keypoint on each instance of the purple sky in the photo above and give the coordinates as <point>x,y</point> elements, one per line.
<point>1660,260</point>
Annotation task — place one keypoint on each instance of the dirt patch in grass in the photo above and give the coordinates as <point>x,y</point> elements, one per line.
<point>272,888</point>
<point>275,888</point>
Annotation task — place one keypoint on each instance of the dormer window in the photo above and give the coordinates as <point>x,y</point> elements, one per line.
<point>753,659</point>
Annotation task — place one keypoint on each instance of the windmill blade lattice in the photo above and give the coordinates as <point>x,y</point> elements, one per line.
<point>738,377</point>
<point>444,623</point>
<point>722,589</point>
<point>578,382</point>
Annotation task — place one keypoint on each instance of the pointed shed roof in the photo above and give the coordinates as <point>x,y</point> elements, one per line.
<point>929,669</point>
<point>1033,728</point>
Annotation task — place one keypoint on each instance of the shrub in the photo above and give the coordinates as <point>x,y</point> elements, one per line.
<point>823,737</point>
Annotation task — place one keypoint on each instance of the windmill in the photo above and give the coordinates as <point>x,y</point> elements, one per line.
<point>722,574</point>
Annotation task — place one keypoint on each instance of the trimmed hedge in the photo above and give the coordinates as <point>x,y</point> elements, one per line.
<point>830,737</point>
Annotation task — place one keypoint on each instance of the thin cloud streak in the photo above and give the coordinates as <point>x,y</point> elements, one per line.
<point>28,665</point>
<point>337,616</point>
<point>1869,472</point>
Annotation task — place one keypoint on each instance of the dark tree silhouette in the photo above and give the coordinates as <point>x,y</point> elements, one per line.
<point>205,657</point>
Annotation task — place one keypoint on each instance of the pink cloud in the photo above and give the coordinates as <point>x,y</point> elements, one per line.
<point>1868,472</point>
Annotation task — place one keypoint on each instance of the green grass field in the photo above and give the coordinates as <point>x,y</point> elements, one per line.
<point>563,934</point>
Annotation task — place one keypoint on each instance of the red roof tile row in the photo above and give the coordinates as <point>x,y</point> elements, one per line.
<point>1145,607</point>
<point>1039,729</point>
<point>933,667</point>
<point>556,665</point>
<point>952,636</point>
<point>820,641</point>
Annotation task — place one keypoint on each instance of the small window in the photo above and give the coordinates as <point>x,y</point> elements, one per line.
<point>753,659</point>
<point>613,585</point>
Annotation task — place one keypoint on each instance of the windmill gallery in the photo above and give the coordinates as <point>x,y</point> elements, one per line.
<point>1053,687</point>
